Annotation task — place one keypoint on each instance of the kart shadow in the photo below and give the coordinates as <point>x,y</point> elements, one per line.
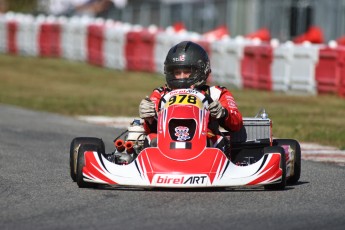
<point>217,189</point>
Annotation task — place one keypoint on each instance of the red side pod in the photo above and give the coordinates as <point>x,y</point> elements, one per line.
<point>93,169</point>
<point>271,172</point>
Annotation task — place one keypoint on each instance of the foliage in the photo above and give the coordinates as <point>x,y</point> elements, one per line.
<point>25,6</point>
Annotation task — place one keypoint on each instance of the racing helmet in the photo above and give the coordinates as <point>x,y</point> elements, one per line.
<point>187,55</point>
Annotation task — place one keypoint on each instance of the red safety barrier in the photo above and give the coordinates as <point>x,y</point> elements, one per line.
<point>146,48</point>
<point>55,39</point>
<point>139,50</point>
<point>330,70</point>
<point>256,67</point>
<point>341,91</point>
<point>12,28</point>
<point>49,39</point>
<point>95,44</point>
<point>264,67</point>
<point>132,51</point>
<point>341,40</point>
<point>95,40</point>
<point>249,67</point>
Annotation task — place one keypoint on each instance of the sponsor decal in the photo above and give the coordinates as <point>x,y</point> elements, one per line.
<point>179,58</point>
<point>185,91</point>
<point>178,180</point>
<point>184,97</point>
<point>181,132</point>
<point>231,101</point>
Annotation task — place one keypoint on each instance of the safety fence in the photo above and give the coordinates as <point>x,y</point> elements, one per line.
<point>242,62</point>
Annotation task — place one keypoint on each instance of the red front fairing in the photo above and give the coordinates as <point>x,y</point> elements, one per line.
<point>182,158</point>
<point>208,162</point>
<point>196,138</point>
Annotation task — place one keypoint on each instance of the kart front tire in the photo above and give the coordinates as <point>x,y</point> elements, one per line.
<point>81,163</point>
<point>282,184</point>
<point>73,152</point>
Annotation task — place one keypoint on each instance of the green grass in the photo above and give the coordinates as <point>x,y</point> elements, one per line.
<point>72,88</point>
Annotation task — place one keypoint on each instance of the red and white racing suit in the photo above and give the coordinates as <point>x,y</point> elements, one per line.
<point>232,121</point>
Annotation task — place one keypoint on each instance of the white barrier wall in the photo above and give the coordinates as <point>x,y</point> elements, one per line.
<point>227,55</point>
<point>3,34</point>
<point>305,58</point>
<point>218,61</point>
<point>292,69</point>
<point>68,32</point>
<point>282,67</point>
<point>74,38</point>
<point>114,46</point>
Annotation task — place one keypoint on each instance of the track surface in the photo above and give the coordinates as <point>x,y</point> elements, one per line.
<point>36,191</point>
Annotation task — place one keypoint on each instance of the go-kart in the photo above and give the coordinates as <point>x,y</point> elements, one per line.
<point>183,156</point>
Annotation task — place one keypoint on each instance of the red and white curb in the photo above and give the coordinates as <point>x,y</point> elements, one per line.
<point>316,152</point>
<point>310,151</point>
<point>115,122</point>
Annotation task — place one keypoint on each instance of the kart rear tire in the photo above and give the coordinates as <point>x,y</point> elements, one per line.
<point>73,152</point>
<point>81,163</point>
<point>282,184</point>
<point>297,158</point>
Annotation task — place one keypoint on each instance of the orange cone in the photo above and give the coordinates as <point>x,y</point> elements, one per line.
<point>179,26</point>
<point>314,35</point>
<point>263,34</point>
<point>217,33</point>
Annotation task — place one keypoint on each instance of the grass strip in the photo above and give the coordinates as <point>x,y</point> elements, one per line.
<point>74,88</point>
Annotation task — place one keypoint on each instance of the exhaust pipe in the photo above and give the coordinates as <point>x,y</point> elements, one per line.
<point>129,147</point>
<point>119,145</point>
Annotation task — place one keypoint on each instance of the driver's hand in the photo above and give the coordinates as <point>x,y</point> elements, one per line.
<point>146,109</point>
<point>216,110</point>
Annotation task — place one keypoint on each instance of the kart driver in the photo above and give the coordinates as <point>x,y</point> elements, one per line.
<point>187,66</point>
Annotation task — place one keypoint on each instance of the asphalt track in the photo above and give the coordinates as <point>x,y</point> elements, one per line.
<point>36,191</point>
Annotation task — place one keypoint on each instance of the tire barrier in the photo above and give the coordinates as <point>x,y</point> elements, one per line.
<point>254,61</point>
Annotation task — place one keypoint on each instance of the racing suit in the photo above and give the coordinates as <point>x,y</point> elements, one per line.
<point>232,121</point>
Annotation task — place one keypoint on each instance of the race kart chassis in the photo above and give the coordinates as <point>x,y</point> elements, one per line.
<point>182,158</point>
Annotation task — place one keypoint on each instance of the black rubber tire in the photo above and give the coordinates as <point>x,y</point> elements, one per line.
<point>81,163</point>
<point>73,152</point>
<point>282,184</point>
<point>297,156</point>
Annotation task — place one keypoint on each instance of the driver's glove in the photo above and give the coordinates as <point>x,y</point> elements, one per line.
<point>216,110</point>
<point>146,109</point>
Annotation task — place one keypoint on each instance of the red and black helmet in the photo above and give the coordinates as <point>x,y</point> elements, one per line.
<point>187,55</point>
